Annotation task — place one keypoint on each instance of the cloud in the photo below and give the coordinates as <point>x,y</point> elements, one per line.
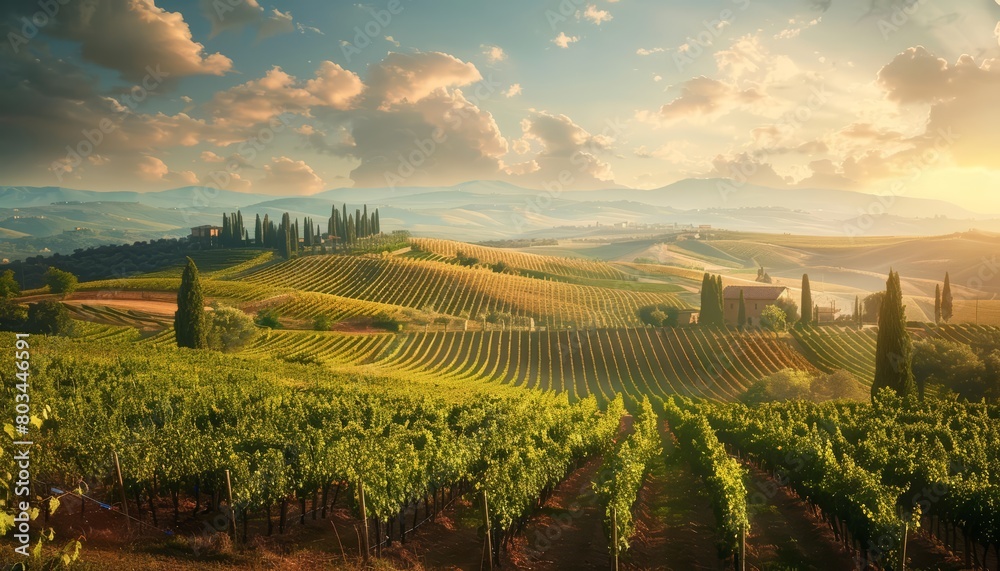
<point>796,27</point>
<point>392,41</point>
<point>132,35</point>
<point>494,54</point>
<point>259,101</point>
<point>961,98</point>
<point>741,166</point>
<point>596,15</point>
<point>210,157</point>
<point>706,96</point>
<point>513,91</point>
<point>650,51</point>
<point>411,77</point>
<point>226,15</point>
<point>566,148</point>
<point>285,176</point>
<point>563,41</point>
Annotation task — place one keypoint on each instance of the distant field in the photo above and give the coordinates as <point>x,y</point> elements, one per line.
<point>987,313</point>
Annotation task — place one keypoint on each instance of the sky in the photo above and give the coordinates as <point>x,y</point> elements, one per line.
<point>292,98</point>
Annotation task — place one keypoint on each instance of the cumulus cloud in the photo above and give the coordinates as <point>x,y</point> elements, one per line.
<point>596,15</point>
<point>961,98</point>
<point>494,54</point>
<point>411,77</point>
<point>289,177</point>
<point>565,148</point>
<point>706,96</point>
<point>514,90</point>
<point>247,13</point>
<point>649,51</point>
<point>563,41</point>
<point>131,35</point>
<point>259,101</point>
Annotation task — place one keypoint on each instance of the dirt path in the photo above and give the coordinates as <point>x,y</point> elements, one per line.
<point>568,532</point>
<point>675,528</point>
<point>785,534</point>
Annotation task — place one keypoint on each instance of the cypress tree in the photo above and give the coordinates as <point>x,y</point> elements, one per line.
<point>741,318</point>
<point>937,303</point>
<point>720,302</point>
<point>805,319</point>
<point>190,321</point>
<point>378,224</point>
<point>285,232</point>
<point>364,218</point>
<point>241,229</point>
<point>858,318</point>
<point>947,307</point>
<point>258,231</point>
<point>343,218</point>
<point>706,311</point>
<point>893,348</point>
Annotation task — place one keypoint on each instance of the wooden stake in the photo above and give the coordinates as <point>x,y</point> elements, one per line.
<point>364,516</point>
<point>121,488</point>
<point>489,533</point>
<point>232,510</point>
<point>743,547</point>
<point>614,539</point>
<point>902,559</point>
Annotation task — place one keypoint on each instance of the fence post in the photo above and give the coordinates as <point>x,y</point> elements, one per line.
<point>489,532</point>
<point>902,559</point>
<point>614,538</point>
<point>364,516</point>
<point>121,488</point>
<point>743,547</point>
<point>232,510</point>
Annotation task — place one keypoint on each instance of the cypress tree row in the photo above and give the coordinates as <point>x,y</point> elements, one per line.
<point>807,302</point>
<point>947,307</point>
<point>893,348</point>
<point>190,321</point>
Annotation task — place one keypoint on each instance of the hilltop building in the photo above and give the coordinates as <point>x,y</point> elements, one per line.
<point>756,298</point>
<point>205,232</point>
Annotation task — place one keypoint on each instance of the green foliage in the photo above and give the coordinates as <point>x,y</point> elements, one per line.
<point>772,318</point>
<point>947,301</point>
<point>943,364</point>
<point>384,320</point>
<point>464,259</point>
<point>659,315</point>
<point>268,317</point>
<point>322,322</point>
<point>792,384</point>
<point>49,318</point>
<point>722,474</point>
<point>893,348</point>
<point>190,322</point>
<point>8,285</point>
<point>741,313</point>
<point>59,281</point>
<point>623,471</point>
<point>230,329</point>
<point>806,318</point>
<point>791,309</point>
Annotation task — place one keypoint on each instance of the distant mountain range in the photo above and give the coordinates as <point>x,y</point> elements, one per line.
<point>481,210</point>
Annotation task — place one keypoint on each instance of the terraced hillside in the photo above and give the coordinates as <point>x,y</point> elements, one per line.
<point>459,291</point>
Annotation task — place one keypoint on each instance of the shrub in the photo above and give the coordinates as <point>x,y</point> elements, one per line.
<point>230,329</point>
<point>60,281</point>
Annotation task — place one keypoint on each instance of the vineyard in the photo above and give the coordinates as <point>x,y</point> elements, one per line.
<point>599,363</point>
<point>459,292</point>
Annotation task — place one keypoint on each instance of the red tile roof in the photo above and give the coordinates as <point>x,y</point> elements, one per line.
<point>766,293</point>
